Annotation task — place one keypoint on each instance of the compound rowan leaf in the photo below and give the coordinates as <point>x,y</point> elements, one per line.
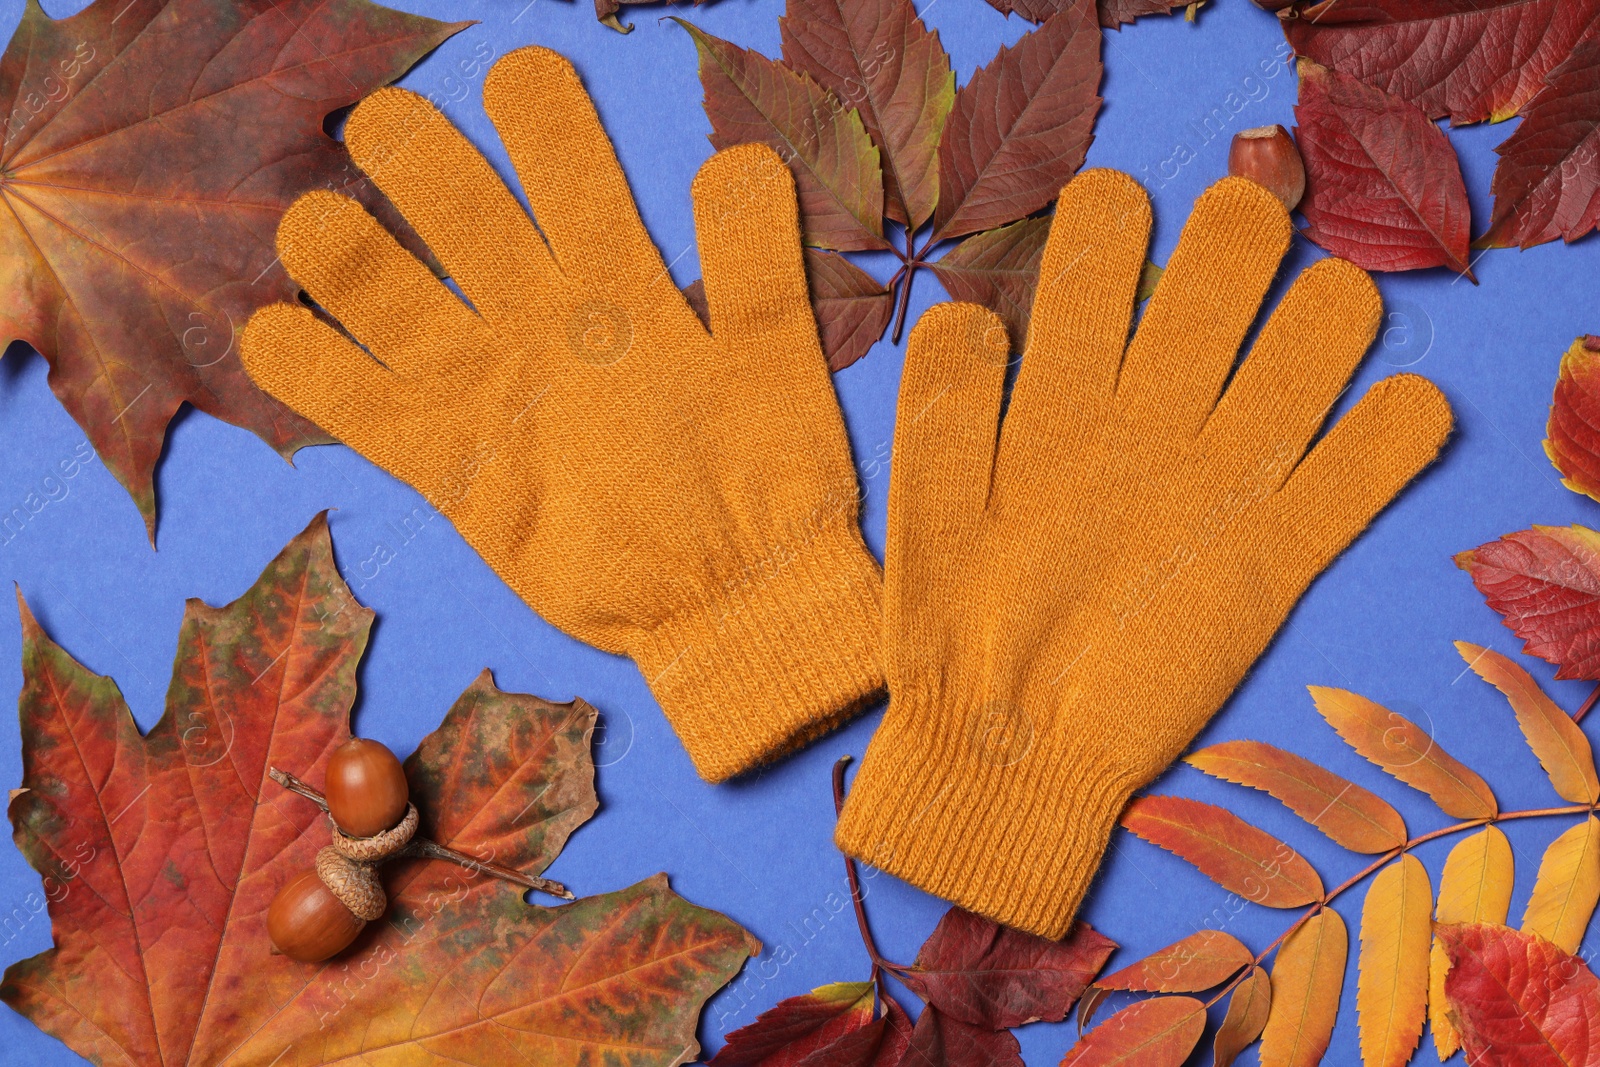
<point>1572,436</point>
<point>1518,999</point>
<point>1383,186</point>
<point>1307,980</point>
<point>1403,749</point>
<point>149,150</point>
<point>876,56</point>
<point>1545,584</point>
<point>1248,1007</point>
<point>167,849</point>
<point>1469,59</point>
<point>979,972</point>
<point>1392,988</point>
<point>1562,747</point>
<point>1201,960</point>
<point>837,174</point>
<point>1546,185</point>
<point>796,1027</point>
<point>1568,887</point>
<point>1226,849</point>
<point>1159,1032</point>
<point>1355,818</point>
<point>941,1040</point>
<point>1021,126</point>
<point>1475,888</point>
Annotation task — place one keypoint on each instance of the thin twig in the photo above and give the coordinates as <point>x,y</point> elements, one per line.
<point>422,847</point>
<point>878,962</point>
<point>1594,695</point>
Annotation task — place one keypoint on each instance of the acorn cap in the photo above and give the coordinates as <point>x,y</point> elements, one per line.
<point>355,884</point>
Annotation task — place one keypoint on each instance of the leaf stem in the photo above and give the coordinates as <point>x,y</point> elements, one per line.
<point>422,847</point>
<point>879,964</point>
<point>1594,695</point>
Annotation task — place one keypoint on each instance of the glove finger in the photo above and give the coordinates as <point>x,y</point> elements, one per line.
<point>579,196</point>
<point>320,374</point>
<point>1082,308</point>
<point>454,199</point>
<point>1295,373</point>
<point>1366,459</point>
<point>388,300</point>
<point>944,435</point>
<point>1202,308</point>
<point>747,220</point>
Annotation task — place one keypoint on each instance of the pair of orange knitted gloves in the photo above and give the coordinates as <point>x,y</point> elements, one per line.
<point>1068,596</point>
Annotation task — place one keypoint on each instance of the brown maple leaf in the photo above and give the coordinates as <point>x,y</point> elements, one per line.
<point>150,148</point>
<point>165,850</point>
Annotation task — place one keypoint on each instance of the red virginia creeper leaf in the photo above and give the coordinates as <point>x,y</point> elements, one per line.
<point>1518,999</point>
<point>796,1027</point>
<point>1159,1032</point>
<point>1226,849</point>
<point>1572,436</point>
<point>169,847</point>
<point>1383,185</point>
<point>980,972</point>
<point>1547,183</point>
<point>1021,125</point>
<point>150,148</point>
<point>1113,14</point>
<point>752,99</point>
<point>1545,583</point>
<point>1469,59</point>
<point>1203,959</point>
<point>877,57</point>
<point>940,1040</point>
<point>880,1043</point>
<point>998,269</point>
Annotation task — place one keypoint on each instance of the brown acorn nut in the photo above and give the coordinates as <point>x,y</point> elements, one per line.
<point>1267,156</point>
<point>366,788</point>
<point>306,922</point>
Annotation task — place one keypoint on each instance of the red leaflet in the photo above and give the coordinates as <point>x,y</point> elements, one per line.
<point>979,972</point>
<point>998,269</point>
<point>851,307</point>
<point>1114,14</point>
<point>1573,434</point>
<point>1545,583</point>
<point>1021,126</point>
<point>1469,59</point>
<point>1226,849</point>
<point>1518,999</point>
<point>793,1029</point>
<point>1547,184</point>
<point>940,1040</point>
<point>1383,186</point>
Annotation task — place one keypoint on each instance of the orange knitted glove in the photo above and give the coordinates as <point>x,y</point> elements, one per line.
<point>684,498</point>
<point>1069,600</point>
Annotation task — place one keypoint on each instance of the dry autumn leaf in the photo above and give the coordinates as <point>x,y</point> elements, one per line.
<point>1545,583</point>
<point>877,57</point>
<point>1114,14</point>
<point>1568,887</point>
<point>1561,746</point>
<point>179,971</point>
<point>940,1040</point>
<point>998,269</point>
<point>1383,186</point>
<point>836,1023</point>
<point>1572,436</point>
<point>1400,747</point>
<point>1545,185</point>
<point>1248,1007</point>
<point>1392,987</point>
<point>1204,959</point>
<point>150,148</point>
<point>1475,888</point>
<point>1226,849</point>
<point>1307,979</point>
<point>979,972</point>
<point>1021,126</point>
<point>1159,1032</point>
<point>1469,59</point>
<point>1353,817</point>
<point>1518,999</point>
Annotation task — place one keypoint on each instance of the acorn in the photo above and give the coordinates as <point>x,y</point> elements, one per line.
<point>1267,156</point>
<point>306,922</point>
<point>366,788</point>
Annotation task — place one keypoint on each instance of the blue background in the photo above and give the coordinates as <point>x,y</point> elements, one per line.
<point>1381,621</point>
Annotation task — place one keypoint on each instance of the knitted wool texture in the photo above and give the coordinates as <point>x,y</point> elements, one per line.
<point>680,496</point>
<point>1069,597</point>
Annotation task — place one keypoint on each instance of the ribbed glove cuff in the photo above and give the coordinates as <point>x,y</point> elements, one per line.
<point>787,653</point>
<point>987,816</point>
